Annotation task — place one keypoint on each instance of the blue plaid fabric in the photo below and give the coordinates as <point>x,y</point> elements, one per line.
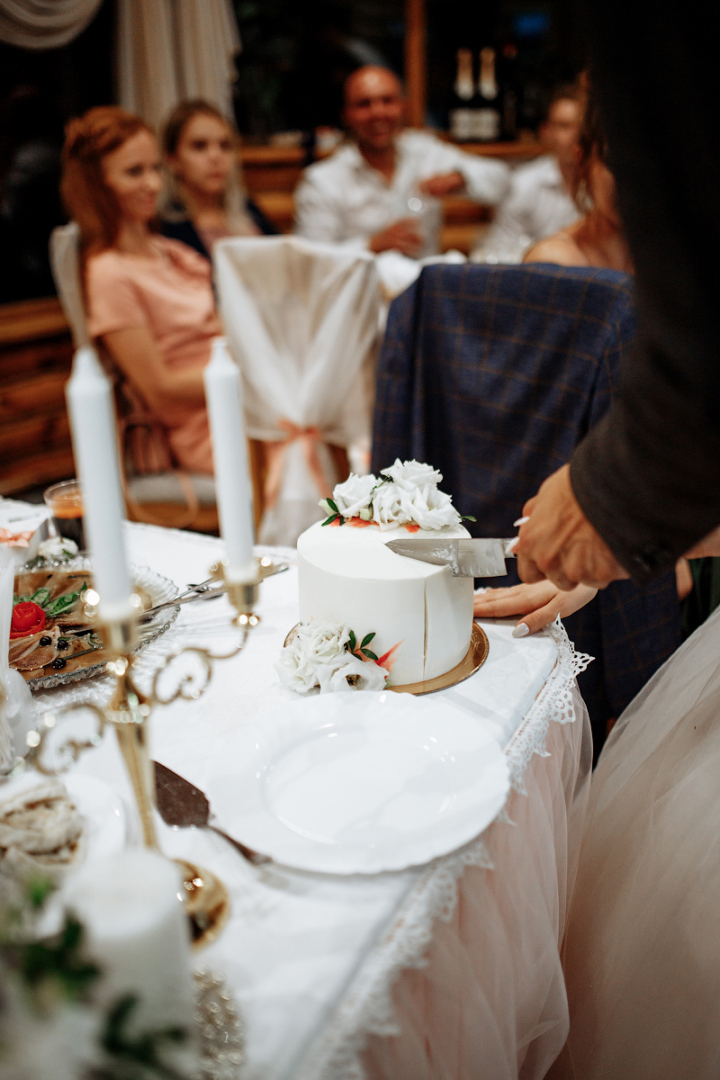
<point>493,375</point>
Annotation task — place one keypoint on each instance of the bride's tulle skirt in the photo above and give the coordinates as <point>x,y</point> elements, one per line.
<point>642,952</point>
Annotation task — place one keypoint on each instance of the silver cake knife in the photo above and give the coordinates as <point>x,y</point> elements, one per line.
<point>465,558</point>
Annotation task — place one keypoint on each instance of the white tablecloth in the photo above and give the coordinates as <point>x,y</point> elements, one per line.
<point>387,975</point>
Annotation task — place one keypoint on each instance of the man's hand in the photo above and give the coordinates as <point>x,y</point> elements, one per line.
<point>439,186</point>
<point>403,236</point>
<point>558,542</point>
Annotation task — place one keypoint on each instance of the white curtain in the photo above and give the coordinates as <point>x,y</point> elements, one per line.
<point>169,50</point>
<point>44,24</point>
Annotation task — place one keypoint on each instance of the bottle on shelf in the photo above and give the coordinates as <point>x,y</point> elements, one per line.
<point>487,115</point>
<point>462,114</point>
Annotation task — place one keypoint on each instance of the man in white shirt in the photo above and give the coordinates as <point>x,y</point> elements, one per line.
<point>370,192</point>
<point>539,202</point>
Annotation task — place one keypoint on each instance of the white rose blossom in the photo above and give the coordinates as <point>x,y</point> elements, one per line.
<point>413,497</point>
<point>410,496</point>
<point>353,496</point>
<point>315,643</point>
<point>410,475</point>
<point>364,675</point>
<point>316,657</point>
<point>57,547</point>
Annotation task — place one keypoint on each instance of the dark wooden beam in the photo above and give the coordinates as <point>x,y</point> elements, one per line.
<point>415,61</point>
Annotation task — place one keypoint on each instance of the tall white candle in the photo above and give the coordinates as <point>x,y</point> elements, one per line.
<point>94,436</point>
<point>137,933</point>
<point>223,392</point>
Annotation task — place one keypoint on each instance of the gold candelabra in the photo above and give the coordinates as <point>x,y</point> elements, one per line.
<point>129,710</point>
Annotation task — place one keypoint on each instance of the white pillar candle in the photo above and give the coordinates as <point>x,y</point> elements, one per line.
<point>137,933</point>
<point>94,436</point>
<point>223,392</point>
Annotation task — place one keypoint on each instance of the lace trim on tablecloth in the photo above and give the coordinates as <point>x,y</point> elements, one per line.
<point>367,1009</point>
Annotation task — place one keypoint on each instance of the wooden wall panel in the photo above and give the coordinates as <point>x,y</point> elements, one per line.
<point>35,360</point>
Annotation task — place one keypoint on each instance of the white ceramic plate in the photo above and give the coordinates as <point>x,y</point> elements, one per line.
<point>358,782</point>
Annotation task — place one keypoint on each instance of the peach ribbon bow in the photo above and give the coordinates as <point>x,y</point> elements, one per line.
<point>309,438</point>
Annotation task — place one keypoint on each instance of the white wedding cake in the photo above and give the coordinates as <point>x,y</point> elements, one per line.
<point>417,616</point>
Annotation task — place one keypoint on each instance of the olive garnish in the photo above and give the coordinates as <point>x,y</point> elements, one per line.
<point>45,640</point>
<point>63,644</point>
<point>59,663</point>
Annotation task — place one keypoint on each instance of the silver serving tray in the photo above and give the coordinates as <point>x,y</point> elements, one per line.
<point>160,590</point>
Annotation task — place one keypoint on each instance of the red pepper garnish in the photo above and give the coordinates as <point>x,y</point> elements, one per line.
<point>27,618</point>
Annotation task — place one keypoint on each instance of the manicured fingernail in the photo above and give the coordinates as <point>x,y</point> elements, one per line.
<point>521,630</point>
<point>519,522</point>
<point>512,544</point>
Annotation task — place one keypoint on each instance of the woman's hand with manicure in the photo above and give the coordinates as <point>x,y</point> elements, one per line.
<point>539,604</point>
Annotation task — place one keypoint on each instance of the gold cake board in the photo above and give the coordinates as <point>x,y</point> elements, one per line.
<point>473,660</point>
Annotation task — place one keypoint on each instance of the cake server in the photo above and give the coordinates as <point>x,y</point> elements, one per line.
<point>180,803</point>
<point>465,558</point>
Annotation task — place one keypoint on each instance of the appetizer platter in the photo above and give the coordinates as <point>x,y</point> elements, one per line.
<point>54,637</point>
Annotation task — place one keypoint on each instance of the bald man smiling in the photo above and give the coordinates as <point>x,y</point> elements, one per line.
<point>359,195</point>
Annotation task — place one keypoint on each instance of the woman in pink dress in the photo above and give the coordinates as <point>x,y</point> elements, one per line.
<point>149,299</point>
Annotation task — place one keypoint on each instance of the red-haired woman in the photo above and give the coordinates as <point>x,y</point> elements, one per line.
<point>149,299</point>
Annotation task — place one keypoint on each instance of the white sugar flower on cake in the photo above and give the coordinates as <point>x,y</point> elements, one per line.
<point>327,656</point>
<point>353,498</point>
<point>411,475</point>
<point>406,493</point>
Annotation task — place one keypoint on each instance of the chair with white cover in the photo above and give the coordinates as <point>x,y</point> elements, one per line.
<point>302,320</point>
<point>155,491</point>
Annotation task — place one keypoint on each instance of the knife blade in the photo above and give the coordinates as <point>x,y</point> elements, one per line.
<point>464,558</point>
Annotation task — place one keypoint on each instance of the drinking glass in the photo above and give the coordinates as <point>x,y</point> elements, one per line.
<point>428,213</point>
<point>66,507</point>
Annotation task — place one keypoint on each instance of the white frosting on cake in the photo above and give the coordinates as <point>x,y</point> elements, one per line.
<point>349,576</point>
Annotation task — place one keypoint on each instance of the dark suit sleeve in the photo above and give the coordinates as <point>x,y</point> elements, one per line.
<point>648,476</point>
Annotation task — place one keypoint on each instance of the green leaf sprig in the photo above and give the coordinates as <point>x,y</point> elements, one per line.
<point>129,1051</point>
<point>41,597</point>
<point>330,507</point>
<point>59,960</point>
<point>351,646</point>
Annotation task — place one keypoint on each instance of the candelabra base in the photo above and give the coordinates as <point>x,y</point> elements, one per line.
<point>206,902</point>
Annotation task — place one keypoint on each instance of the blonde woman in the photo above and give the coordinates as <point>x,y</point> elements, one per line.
<point>204,200</point>
<point>597,239</point>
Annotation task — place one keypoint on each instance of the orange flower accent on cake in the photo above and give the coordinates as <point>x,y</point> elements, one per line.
<point>359,523</point>
<point>412,527</point>
<point>387,659</point>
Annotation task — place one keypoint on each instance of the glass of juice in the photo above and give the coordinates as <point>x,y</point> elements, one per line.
<point>66,507</point>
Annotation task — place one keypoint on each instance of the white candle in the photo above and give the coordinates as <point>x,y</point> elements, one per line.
<point>94,436</point>
<point>137,933</point>
<point>232,476</point>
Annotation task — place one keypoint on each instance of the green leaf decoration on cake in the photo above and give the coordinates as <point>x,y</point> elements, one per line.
<point>467,517</point>
<point>351,645</point>
<point>330,507</point>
